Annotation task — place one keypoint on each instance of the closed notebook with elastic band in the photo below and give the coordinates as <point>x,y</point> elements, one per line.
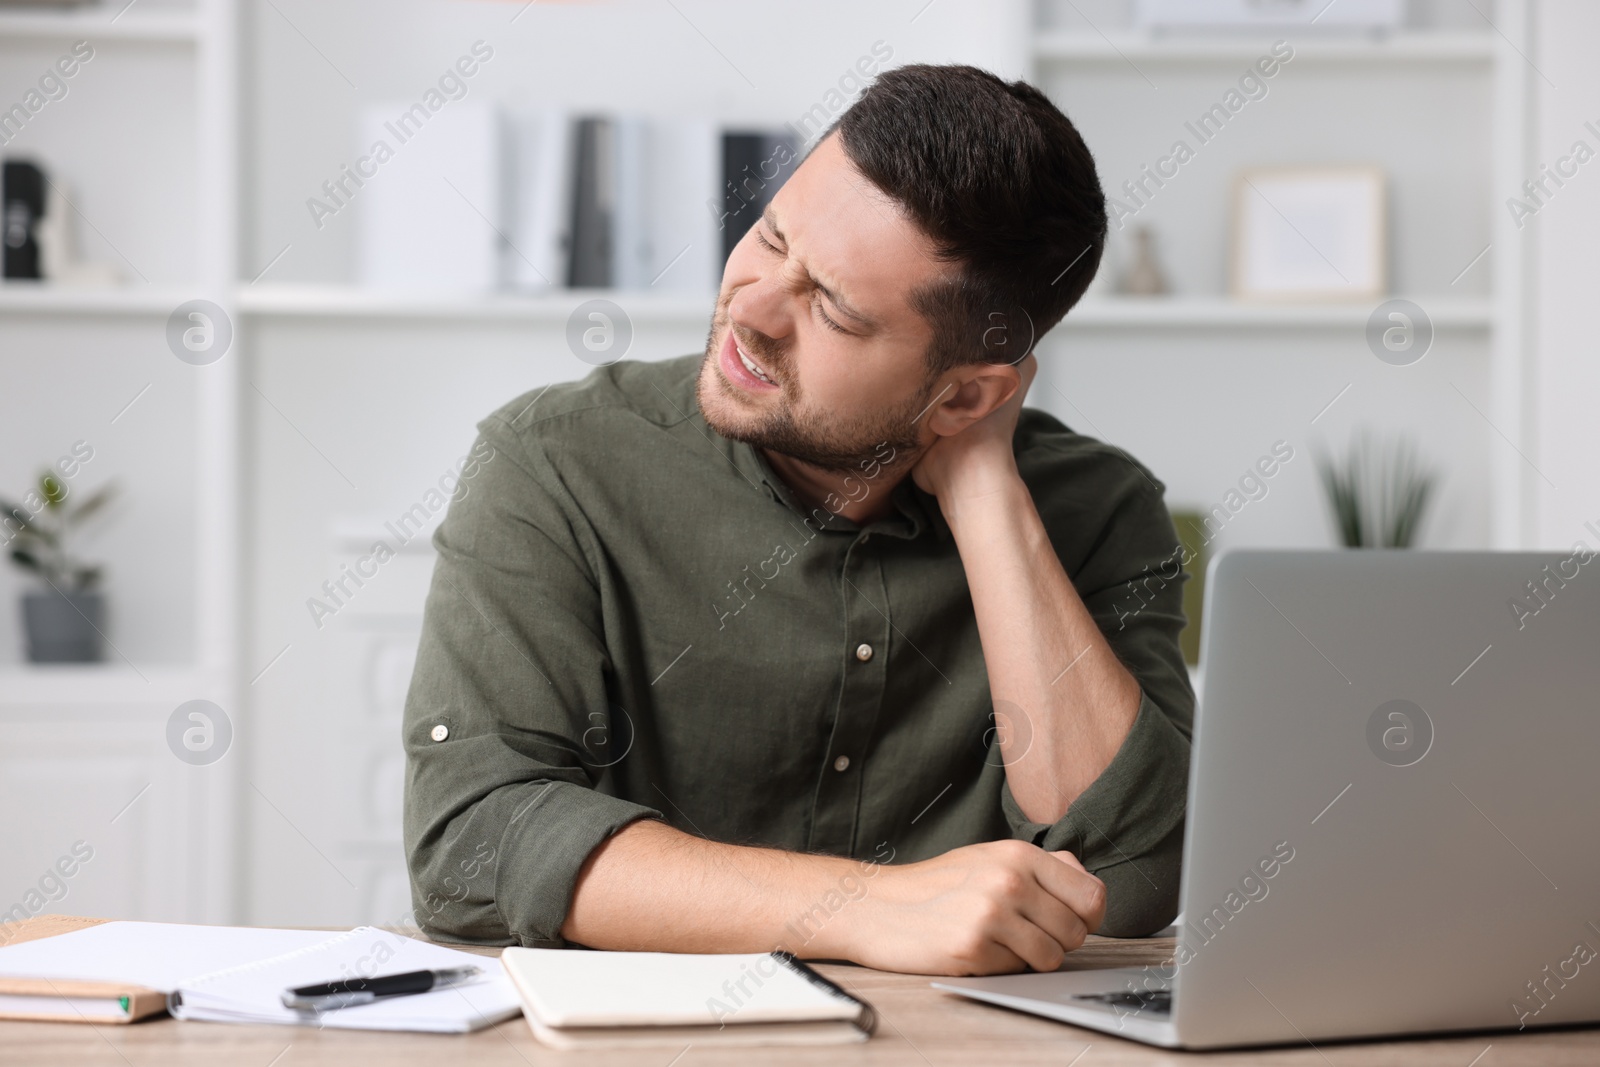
<point>575,999</point>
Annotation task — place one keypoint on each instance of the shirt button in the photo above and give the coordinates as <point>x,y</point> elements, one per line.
<point>863,652</point>
<point>440,732</point>
<point>842,763</point>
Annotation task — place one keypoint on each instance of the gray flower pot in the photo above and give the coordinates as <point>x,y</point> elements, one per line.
<point>64,628</point>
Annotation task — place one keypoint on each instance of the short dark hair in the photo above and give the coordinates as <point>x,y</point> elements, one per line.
<point>1002,183</point>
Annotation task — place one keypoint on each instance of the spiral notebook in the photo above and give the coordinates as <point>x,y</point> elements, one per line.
<point>574,999</point>
<point>252,993</point>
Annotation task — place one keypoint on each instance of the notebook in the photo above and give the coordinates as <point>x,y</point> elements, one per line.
<point>69,969</point>
<point>575,999</point>
<point>121,971</point>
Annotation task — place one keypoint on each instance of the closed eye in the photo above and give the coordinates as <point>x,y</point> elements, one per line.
<point>761,239</point>
<point>817,299</point>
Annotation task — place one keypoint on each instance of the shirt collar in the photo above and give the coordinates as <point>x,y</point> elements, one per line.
<point>914,510</point>
<point>910,517</point>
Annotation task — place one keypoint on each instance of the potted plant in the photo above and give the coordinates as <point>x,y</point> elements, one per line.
<point>1378,493</point>
<point>63,623</point>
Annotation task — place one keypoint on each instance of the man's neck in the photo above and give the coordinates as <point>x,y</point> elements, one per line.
<point>856,496</point>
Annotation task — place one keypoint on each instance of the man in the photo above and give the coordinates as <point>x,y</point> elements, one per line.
<point>820,642</point>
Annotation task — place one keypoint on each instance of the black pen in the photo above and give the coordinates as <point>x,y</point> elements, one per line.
<point>330,996</point>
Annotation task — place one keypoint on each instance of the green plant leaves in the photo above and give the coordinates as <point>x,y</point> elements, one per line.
<point>37,532</point>
<point>1378,491</point>
<point>96,501</point>
<point>14,516</point>
<point>53,489</point>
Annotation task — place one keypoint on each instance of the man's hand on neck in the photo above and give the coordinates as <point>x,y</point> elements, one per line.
<point>977,461</point>
<point>1047,659</point>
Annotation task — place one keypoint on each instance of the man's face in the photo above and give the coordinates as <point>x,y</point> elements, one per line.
<point>816,298</point>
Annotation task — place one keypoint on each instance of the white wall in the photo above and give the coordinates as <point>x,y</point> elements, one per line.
<point>1562,237</point>
<point>1199,412</point>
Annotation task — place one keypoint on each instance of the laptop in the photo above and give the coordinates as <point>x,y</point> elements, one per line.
<point>1394,817</point>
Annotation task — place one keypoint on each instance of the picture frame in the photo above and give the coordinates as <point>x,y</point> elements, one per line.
<point>1310,234</point>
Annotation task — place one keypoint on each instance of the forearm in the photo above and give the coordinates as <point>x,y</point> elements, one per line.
<point>651,888</point>
<point>1044,654</point>
<point>987,907</point>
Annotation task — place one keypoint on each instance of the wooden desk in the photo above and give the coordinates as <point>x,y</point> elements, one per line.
<point>918,1027</point>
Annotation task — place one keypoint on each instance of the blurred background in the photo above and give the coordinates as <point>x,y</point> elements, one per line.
<point>241,343</point>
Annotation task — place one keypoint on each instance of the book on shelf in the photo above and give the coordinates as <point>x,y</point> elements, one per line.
<point>594,194</point>
<point>429,203</point>
<point>539,199</point>
<point>539,163</point>
<point>754,166</point>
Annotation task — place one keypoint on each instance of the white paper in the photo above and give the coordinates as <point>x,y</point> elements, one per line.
<point>154,955</point>
<point>238,974</point>
<point>252,993</point>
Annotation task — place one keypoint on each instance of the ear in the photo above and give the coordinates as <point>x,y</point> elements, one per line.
<point>970,393</point>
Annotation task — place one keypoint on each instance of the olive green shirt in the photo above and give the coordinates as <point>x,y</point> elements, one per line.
<point>632,617</point>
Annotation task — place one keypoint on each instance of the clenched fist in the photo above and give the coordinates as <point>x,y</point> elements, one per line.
<point>989,908</point>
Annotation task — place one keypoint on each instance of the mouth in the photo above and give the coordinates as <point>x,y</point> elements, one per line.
<point>743,371</point>
<point>751,365</point>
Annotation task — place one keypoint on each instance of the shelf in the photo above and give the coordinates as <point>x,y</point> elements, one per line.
<point>88,684</point>
<point>98,25</point>
<point>1441,46</point>
<point>26,298</point>
<point>1222,314</point>
<point>317,301</point>
<point>349,302</point>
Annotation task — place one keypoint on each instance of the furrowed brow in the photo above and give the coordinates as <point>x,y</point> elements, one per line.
<point>839,302</point>
<point>770,217</point>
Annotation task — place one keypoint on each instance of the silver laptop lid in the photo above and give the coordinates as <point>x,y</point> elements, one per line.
<point>1395,800</point>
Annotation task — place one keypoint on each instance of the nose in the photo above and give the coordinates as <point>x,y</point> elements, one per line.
<point>765,307</point>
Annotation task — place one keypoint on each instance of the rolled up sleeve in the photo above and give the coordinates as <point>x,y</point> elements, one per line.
<point>507,716</point>
<point>1127,827</point>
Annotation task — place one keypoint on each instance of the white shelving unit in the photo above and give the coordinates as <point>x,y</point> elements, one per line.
<point>1081,53</point>
<point>351,302</point>
<point>101,685</point>
<point>1212,313</point>
<point>103,25</point>
<point>24,298</point>
<point>172,852</point>
<point>1443,46</point>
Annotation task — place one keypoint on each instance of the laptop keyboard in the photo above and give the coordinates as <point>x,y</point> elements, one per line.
<point>1158,1002</point>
